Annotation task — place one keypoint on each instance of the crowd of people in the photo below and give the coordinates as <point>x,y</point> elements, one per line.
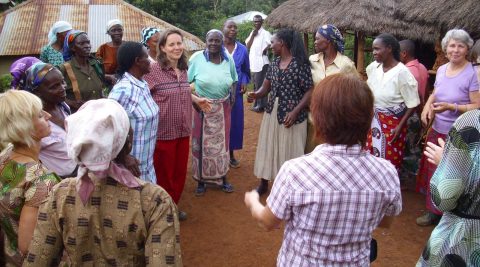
<point>94,149</point>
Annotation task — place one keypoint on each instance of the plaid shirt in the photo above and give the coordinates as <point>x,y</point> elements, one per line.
<point>135,98</point>
<point>174,98</point>
<point>332,199</point>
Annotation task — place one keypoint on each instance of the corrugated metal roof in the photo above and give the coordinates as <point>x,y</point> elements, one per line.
<point>24,28</point>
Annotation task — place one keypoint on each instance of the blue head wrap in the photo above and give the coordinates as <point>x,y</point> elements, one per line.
<point>222,49</point>
<point>36,74</point>
<point>147,33</point>
<point>69,38</point>
<point>331,33</point>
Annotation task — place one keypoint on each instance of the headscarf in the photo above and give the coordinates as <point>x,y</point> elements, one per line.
<point>334,35</point>
<point>69,38</point>
<point>36,74</point>
<point>96,134</point>
<point>59,26</point>
<point>18,70</point>
<point>222,49</point>
<point>147,33</point>
<point>113,22</point>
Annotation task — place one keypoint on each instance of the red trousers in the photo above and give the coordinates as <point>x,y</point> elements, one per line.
<point>170,162</point>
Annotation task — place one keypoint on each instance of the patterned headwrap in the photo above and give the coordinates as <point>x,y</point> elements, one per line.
<point>147,33</point>
<point>59,26</point>
<point>69,38</point>
<point>19,71</point>
<point>334,35</point>
<point>96,134</point>
<point>114,22</point>
<point>36,74</point>
<point>222,49</point>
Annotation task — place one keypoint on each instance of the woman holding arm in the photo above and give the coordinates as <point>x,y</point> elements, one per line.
<point>456,90</point>
<point>283,132</point>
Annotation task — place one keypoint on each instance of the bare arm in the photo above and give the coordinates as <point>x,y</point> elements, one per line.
<point>250,40</point>
<point>261,92</point>
<point>291,117</point>
<point>262,214</point>
<point>26,226</point>
<point>427,112</point>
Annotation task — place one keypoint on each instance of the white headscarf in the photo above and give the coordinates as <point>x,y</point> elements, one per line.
<point>113,22</point>
<point>59,26</point>
<point>96,134</point>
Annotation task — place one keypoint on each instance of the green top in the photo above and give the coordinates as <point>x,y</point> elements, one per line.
<point>211,80</point>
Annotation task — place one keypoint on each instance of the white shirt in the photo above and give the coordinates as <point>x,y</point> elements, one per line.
<point>393,87</point>
<point>260,42</point>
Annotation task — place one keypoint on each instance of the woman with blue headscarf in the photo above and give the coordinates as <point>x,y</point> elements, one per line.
<point>214,76</point>
<point>84,74</point>
<point>329,45</point>
<point>52,52</point>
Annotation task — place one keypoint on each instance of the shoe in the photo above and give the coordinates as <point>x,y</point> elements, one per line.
<point>201,189</point>
<point>182,216</point>
<point>428,219</point>
<point>234,163</point>
<point>227,188</point>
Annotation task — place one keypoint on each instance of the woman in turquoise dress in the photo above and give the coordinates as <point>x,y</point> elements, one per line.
<point>455,188</point>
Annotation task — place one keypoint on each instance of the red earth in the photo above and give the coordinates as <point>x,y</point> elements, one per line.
<point>219,230</point>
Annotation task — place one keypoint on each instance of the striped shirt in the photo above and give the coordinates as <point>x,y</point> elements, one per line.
<point>332,199</point>
<point>174,98</point>
<point>135,98</point>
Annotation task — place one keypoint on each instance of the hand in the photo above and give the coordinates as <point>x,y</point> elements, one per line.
<point>396,133</point>
<point>76,104</point>
<point>434,152</point>
<point>132,164</point>
<point>442,106</point>
<point>427,115</point>
<point>290,118</point>
<point>243,89</point>
<point>232,99</point>
<point>254,32</point>
<point>251,197</point>
<point>111,78</point>
<point>251,97</point>
<point>204,104</point>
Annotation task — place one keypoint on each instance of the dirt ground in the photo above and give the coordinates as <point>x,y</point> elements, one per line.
<point>220,231</point>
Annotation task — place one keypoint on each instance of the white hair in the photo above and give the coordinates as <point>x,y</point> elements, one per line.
<point>457,35</point>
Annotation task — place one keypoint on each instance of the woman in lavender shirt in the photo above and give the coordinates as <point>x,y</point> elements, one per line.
<point>456,91</point>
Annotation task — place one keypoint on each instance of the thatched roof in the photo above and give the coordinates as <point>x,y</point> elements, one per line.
<point>370,16</point>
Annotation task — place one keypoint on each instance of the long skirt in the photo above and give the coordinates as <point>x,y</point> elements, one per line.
<point>210,142</point>
<point>236,130</point>
<point>426,171</point>
<point>380,137</point>
<point>277,144</point>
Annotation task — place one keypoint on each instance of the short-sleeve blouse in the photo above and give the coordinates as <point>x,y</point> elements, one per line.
<point>52,56</point>
<point>289,86</point>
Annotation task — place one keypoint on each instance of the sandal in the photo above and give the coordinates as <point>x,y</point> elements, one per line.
<point>227,188</point>
<point>200,191</point>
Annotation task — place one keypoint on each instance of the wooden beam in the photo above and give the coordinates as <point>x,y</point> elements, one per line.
<point>305,42</point>
<point>361,53</point>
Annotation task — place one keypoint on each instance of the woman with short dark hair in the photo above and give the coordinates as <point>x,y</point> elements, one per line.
<point>132,92</point>
<point>333,198</point>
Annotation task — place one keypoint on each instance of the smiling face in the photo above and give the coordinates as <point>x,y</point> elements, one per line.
<point>456,51</point>
<point>380,51</point>
<point>214,42</point>
<point>277,45</point>
<point>173,47</point>
<point>116,33</point>
<point>41,128</point>
<point>230,30</point>
<point>52,89</point>
<point>81,45</point>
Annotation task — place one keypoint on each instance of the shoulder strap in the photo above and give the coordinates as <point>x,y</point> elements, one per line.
<point>73,79</point>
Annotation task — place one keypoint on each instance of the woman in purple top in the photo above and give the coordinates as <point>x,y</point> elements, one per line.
<point>456,91</point>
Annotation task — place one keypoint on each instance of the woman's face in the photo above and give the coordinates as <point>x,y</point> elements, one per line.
<point>41,128</point>
<point>81,46</point>
<point>321,43</point>
<point>456,51</point>
<point>380,51</point>
<point>277,45</point>
<point>61,36</point>
<point>116,33</point>
<point>153,42</point>
<point>52,89</point>
<point>173,47</point>
<point>143,62</point>
<point>214,42</point>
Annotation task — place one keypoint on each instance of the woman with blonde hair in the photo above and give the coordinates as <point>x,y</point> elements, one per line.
<point>24,181</point>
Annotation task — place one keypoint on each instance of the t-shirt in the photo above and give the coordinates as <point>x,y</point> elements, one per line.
<point>393,87</point>
<point>454,89</point>
<point>108,54</point>
<point>211,80</point>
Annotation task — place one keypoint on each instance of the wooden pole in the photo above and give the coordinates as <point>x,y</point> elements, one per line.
<point>361,53</point>
<point>305,42</point>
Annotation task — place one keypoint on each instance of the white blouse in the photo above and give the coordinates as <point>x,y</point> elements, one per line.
<point>393,87</point>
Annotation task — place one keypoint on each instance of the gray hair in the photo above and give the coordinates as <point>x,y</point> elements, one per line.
<point>457,35</point>
<point>475,52</point>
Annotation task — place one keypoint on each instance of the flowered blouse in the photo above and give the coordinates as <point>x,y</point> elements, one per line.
<point>52,56</point>
<point>289,85</point>
<point>21,185</point>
